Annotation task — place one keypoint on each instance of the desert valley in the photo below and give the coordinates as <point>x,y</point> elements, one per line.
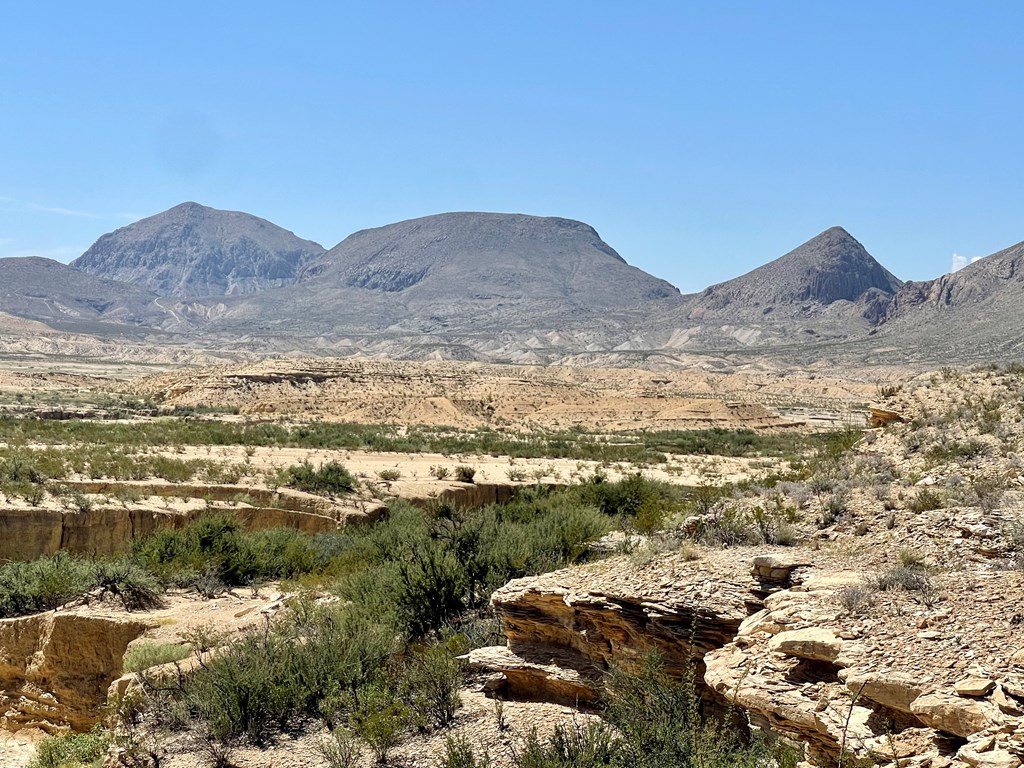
<point>470,490</point>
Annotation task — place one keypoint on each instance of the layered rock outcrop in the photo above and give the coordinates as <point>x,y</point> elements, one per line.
<point>910,682</point>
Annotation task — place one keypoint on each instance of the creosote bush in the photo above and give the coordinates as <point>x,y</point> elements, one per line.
<point>329,479</point>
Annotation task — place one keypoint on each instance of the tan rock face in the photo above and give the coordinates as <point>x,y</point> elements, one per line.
<point>611,613</point>
<point>55,668</point>
<point>799,666</point>
<point>996,758</point>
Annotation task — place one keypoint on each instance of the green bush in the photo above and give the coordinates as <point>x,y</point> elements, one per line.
<point>72,750</point>
<point>459,753</point>
<point>44,584</point>
<point>142,656</point>
<point>571,746</point>
<point>430,683</point>
<point>267,678</point>
<point>661,724</point>
<point>330,479</point>
<point>340,750</point>
<point>216,551</point>
<point>925,501</point>
<point>137,588</point>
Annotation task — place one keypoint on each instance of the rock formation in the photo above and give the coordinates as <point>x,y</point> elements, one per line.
<point>873,687</point>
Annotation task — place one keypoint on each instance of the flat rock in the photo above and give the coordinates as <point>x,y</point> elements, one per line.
<point>996,758</point>
<point>951,714</point>
<point>974,686</point>
<point>895,690</point>
<point>813,643</point>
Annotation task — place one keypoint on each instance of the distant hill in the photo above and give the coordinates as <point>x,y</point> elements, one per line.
<point>195,251</point>
<point>65,298</point>
<point>830,267</point>
<point>503,288</point>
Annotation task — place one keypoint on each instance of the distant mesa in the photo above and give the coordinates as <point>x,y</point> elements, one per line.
<point>487,256</point>
<point>195,251</point>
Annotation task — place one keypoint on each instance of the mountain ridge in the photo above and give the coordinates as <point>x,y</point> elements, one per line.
<point>520,288</point>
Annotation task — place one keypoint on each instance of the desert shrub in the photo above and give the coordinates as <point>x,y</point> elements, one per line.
<point>855,598</point>
<point>381,722</point>
<point>173,470</point>
<point>726,526</point>
<point>43,584</point>
<point>833,507</point>
<point>636,498</point>
<point>575,745</point>
<point>21,468</point>
<point>389,474</point>
<point>341,749</point>
<point>925,500</point>
<point>774,521</point>
<point>908,578</point>
<point>71,750</point>
<point>215,550</point>
<point>430,683</point>
<point>434,586</point>
<point>459,753</point>
<point>465,474</point>
<point>956,450</point>
<point>137,588</point>
<point>266,678</point>
<point>330,479</point>
<point>1013,534</point>
<point>660,724</point>
<point>142,656</point>
<point>440,472</point>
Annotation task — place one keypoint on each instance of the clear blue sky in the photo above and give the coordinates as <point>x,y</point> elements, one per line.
<point>701,139</point>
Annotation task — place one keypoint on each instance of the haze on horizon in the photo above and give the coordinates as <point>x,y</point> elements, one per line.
<point>700,139</point>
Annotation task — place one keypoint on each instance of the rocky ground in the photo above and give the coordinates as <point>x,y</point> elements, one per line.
<point>891,634</point>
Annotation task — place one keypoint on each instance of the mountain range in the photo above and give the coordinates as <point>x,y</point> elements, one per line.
<point>501,287</point>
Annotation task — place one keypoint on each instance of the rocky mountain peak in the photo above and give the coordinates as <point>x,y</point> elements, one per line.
<point>191,250</point>
<point>832,266</point>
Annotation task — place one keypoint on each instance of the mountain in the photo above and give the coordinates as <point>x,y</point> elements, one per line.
<point>194,251</point>
<point>830,267</point>
<point>504,288</point>
<point>487,258</point>
<point>485,275</point>
<point>829,288</point>
<point>974,313</point>
<point>68,299</point>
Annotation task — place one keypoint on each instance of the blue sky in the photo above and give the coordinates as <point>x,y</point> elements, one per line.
<point>701,139</point>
